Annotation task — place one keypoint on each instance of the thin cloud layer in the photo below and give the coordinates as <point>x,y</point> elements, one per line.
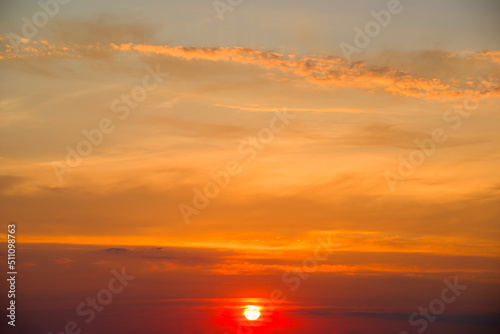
<point>326,71</point>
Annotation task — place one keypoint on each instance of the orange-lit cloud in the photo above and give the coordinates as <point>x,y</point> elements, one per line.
<point>325,71</point>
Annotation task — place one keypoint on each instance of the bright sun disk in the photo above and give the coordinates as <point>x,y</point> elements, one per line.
<point>252,312</point>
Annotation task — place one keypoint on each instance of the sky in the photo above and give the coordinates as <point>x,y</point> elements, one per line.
<point>334,163</point>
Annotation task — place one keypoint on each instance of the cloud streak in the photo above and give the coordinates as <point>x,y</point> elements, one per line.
<point>327,72</point>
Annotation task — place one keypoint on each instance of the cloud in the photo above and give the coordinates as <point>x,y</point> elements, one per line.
<point>116,250</point>
<point>442,64</point>
<point>492,56</point>
<point>465,319</point>
<point>8,182</point>
<point>188,256</point>
<point>328,72</point>
<point>101,28</point>
<point>63,260</point>
<point>390,135</point>
<point>193,128</point>
<point>270,109</point>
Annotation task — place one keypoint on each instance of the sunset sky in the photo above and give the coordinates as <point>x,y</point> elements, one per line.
<point>211,153</point>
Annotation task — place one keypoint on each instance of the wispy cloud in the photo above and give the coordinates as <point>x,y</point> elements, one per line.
<point>270,109</point>
<point>322,70</point>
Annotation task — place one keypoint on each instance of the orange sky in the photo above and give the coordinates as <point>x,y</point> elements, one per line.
<point>208,156</point>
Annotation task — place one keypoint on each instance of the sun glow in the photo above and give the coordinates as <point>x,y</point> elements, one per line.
<point>252,312</point>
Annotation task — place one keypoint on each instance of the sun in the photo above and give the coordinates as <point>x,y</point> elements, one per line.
<point>252,312</point>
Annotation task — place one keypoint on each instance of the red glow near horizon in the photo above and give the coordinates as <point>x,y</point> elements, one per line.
<point>234,317</point>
